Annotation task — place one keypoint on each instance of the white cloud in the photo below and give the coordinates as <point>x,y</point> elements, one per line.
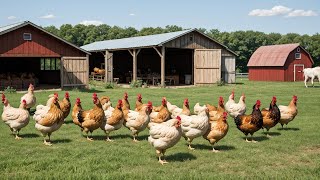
<point>12,17</point>
<point>297,13</point>
<point>275,11</point>
<point>132,14</point>
<point>91,22</point>
<point>48,16</point>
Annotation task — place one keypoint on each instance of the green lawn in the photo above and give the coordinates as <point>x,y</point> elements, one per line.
<point>291,153</point>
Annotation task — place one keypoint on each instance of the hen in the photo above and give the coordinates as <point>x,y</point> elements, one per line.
<point>76,108</point>
<point>106,103</point>
<point>48,119</point>
<point>65,105</point>
<point>113,120</point>
<point>216,112</point>
<point>161,116</point>
<point>288,113</point>
<point>195,125</point>
<point>218,130</point>
<point>29,97</point>
<point>138,121</point>
<point>165,135</point>
<point>92,119</point>
<point>139,103</point>
<point>236,109</point>
<point>15,118</point>
<point>178,111</point>
<point>125,105</point>
<point>270,116</point>
<point>249,124</point>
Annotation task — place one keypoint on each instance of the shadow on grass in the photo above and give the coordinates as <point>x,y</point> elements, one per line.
<point>61,140</point>
<point>32,135</point>
<point>217,147</point>
<point>114,137</point>
<point>257,138</point>
<point>181,157</point>
<point>289,129</point>
<point>272,133</point>
<point>68,122</point>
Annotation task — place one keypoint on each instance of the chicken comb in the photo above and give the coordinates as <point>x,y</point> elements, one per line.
<point>258,102</point>
<point>220,98</point>
<point>119,102</point>
<point>186,100</point>
<point>67,93</point>
<point>179,118</point>
<point>139,95</point>
<point>24,101</point>
<point>94,95</point>
<point>225,114</point>
<point>274,98</point>
<point>78,100</point>
<point>149,103</point>
<point>3,96</point>
<point>56,94</point>
<point>295,97</point>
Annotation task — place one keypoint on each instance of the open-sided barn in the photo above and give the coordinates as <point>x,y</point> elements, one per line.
<point>183,57</point>
<point>30,54</point>
<point>283,62</point>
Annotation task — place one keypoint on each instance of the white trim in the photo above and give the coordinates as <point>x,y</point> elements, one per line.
<point>295,55</point>
<point>294,70</point>
<point>27,36</point>
<point>298,49</point>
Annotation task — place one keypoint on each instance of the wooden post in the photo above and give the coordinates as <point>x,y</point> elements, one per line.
<point>106,67</point>
<point>61,72</point>
<point>88,71</point>
<point>163,70</point>
<point>134,65</point>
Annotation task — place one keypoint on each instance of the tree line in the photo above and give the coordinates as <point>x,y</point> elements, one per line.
<point>244,43</point>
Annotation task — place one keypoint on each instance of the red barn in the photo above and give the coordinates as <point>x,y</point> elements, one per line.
<point>30,54</point>
<point>283,62</point>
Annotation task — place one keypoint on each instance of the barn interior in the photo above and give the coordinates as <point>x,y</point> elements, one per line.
<point>18,73</point>
<point>178,66</point>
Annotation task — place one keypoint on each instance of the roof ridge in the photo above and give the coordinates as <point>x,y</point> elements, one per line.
<point>20,22</point>
<point>281,44</point>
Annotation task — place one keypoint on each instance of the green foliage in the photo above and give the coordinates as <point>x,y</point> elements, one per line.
<point>221,83</point>
<point>136,84</point>
<point>109,85</point>
<point>9,89</point>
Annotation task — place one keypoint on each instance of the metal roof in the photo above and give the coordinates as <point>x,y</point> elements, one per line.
<point>142,41</point>
<point>273,55</point>
<point>11,27</point>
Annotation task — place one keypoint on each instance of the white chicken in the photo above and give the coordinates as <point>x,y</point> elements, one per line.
<point>178,111</point>
<point>171,107</point>
<point>29,97</point>
<point>138,121</point>
<point>195,125</point>
<point>165,135</point>
<point>15,118</point>
<point>48,119</point>
<point>288,113</point>
<point>235,109</point>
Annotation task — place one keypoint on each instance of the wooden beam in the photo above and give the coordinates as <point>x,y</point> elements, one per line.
<point>61,72</point>
<point>134,65</point>
<point>160,54</point>
<point>87,71</point>
<point>138,51</point>
<point>106,66</point>
<point>130,52</point>
<point>163,70</point>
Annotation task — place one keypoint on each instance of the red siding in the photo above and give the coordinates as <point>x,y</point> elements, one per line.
<point>266,74</point>
<point>41,45</point>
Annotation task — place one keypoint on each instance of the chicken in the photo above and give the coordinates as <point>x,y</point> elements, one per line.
<point>76,108</point>
<point>139,103</point>
<point>288,113</point>
<point>65,105</point>
<point>138,121</point>
<point>158,108</point>
<point>49,119</point>
<point>271,116</point>
<point>125,105</point>
<point>7,105</point>
<point>170,106</point>
<point>29,97</point>
<point>15,118</point>
<point>165,135</point>
<point>178,111</point>
<point>216,112</point>
<point>236,109</point>
<point>195,125</point>
<point>106,103</point>
<point>249,124</point>
<point>161,116</point>
<point>92,119</point>
<point>218,130</point>
<point>113,120</point>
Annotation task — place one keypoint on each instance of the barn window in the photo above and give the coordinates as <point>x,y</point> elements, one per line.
<point>298,49</point>
<point>191,38</point>
<point>27,36</point>
<point>47,64</point>
<point>298,55</point>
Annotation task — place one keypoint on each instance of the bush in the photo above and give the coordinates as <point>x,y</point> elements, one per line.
<point>109,85</point>
<point>136,84</point>
<point>10,89</point>
<point>221,83</point>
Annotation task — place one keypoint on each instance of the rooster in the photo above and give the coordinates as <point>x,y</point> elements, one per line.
<point>29,97</point>
<point>165,135</point>
<point>270,116</point>
<point>92,119</point>
<point>218,130</point>
<point>139,103</point>
<point>178,111</point>
<point>15,118</point>
<point>161,116</point>
<point>288,113</point>
<point>113,120</point>
<point>195,125</point>
<point>236,109</point>
<point>138,121</point>
<point>249,124</point>
<point>49,119</point>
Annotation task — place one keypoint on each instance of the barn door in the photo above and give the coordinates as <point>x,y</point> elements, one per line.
<point>74,71</point>
<point>298,72</point>
<point>228,69</point>
<point>207,66</point>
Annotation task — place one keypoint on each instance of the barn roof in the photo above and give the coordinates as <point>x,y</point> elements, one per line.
<point>142,41</point>
<point>12,27</point>
<point>273,55</point>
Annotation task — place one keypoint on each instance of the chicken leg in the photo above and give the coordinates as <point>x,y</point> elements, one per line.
<point>108,139</point>
<point>189,146</point>
<point>253,140</point>
<point>214,150</point>
<point>159,157</point>
<point>16,133</point>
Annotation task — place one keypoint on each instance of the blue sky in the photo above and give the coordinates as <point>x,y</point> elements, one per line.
<point>281,16</point>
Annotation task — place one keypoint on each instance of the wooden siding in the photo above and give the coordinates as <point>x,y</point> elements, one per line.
<point>228,69</point>
<point>207,66</point>
<point>266,74</point>
<point>41,45</point>
<point>74,71</point>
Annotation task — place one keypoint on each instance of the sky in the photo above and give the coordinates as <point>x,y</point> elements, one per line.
<point>279,16</point>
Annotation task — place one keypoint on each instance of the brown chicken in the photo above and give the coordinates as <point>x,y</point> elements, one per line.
<point>249,124</point>
<point>218,129</point>
<point>185,110</point>
<point>270,116</point>
<point>288,113</point>
<point>139,103</point>
<point>125,105</point>
<point>76,108</point>
<point>216,112</point>
<point>65,105</point>
<point>92,119</point>
<point>105,102</point>
<point>163,114</point>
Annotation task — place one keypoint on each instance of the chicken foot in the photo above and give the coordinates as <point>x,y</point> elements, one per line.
<point>16,132</point>
<point>134,138</point>
<point>159,153</point>
<point>189,146</point>
<point>88,138</point>
<point>214,150</point>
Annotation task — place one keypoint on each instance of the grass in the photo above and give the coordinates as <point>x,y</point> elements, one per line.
<point>291,153</point>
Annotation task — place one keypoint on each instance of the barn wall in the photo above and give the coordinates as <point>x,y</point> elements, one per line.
<point>266,74</point>
<point>41,45</point>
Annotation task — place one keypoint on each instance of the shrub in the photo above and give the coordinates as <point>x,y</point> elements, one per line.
<point>136,84</point>
<point>109,85</point>
<point>10,89</point>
